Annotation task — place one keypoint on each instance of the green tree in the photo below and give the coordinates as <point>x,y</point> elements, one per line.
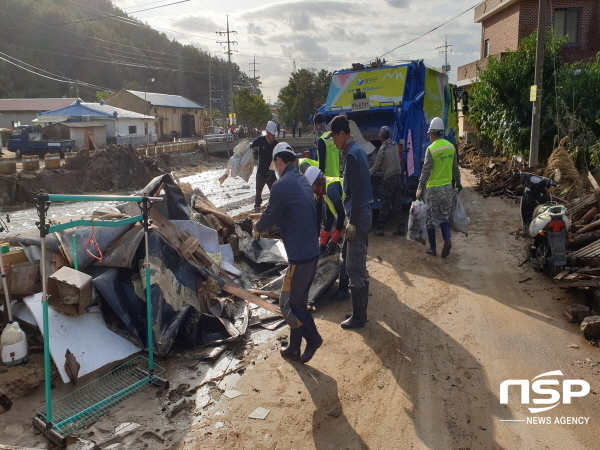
<point>103,95</point>
<point>500,105</point>
<point>305,92</point>
<point>251,109</point>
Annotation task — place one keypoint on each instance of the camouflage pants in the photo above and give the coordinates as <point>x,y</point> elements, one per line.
<point>439,202</point>
<point>392,191</point>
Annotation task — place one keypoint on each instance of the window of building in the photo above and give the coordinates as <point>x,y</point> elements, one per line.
<point>486,48</point>
<point>132,129</point>
<point>566,22</point>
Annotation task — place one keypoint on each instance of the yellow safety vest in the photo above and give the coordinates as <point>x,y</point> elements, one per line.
<point>442,152</point>
<point>332,158</point>
<point>312,162</point>
<point>328,182</point>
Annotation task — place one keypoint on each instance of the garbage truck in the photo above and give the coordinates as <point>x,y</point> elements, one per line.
<point>405,97</point>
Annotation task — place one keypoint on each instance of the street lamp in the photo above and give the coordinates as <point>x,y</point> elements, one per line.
<point>145,109</point>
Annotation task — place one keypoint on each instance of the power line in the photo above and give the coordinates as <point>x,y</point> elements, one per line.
<point>108,16</point>
<point>432,30</point>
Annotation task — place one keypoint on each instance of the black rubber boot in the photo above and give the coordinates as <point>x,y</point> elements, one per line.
<point>359,309</point>
<point>292,351</point>
<point>367,282</point>
<point>342,293</point>
<point>431,235</point>
<point>445,227</point>
<point>313,340</point>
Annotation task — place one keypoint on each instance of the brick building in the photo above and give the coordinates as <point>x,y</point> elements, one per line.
<point>505,22</point>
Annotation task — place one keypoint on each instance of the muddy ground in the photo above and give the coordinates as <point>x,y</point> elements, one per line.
<point>424,373</point>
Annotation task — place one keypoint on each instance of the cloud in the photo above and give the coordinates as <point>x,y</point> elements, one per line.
<point>398,3</point>
<point>197,23</point>
<point>255,29</point>
<point>258,41</point>
<point>306,47</point>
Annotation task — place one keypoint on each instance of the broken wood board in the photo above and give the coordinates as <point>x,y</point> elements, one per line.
<point>244,294</point>
<point>273,295</point>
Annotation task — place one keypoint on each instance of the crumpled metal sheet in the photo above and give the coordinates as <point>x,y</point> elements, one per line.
<point>267,250</point>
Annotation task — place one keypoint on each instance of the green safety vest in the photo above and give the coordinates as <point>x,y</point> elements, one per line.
<point>442,152</point>
<point>312,162</point>
<point>332,157</point>
<point>328,182</point>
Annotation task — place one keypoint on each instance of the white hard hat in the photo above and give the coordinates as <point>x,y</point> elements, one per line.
<point>436,124</point>
<point>271,127</point>
<point>311,174</point>
<point>282,147</point>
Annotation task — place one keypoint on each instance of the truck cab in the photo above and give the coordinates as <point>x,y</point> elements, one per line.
<point>30,140</point>
<point>405,97</point>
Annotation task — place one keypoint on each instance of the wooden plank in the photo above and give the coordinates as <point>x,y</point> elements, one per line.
<point>593,180</point>
<point>242,293</point>
<point>562,274</point>
<point>583,283</point>
<point>269,294</point>
<point>589,249</point>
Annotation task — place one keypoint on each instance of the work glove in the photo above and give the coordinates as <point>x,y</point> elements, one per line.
<point>419,194</point>
<point>458,188</point>
<point>350,232</point>
<point>332,247</point>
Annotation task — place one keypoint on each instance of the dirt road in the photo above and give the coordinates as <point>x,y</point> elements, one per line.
<point>425,371</point>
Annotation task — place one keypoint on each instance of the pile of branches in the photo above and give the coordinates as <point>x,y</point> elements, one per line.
<point>495,174</point>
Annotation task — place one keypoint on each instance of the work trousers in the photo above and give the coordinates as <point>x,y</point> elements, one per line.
<point>392,191</point>
<point>439,203</point>
<point>354,252</point>
<point>293,299</point>
<point>261,180</point>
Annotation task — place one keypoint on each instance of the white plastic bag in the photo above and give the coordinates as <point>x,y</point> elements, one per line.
<point>241,164</point>
<point>417,222</point>
<point>459,221</point>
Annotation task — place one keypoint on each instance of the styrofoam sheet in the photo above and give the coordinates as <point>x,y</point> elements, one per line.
<point>86,336</point>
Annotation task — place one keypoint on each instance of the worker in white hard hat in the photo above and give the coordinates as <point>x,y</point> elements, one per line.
<point>263,150</point>
<point>439,171</point>
<point>292,207</point>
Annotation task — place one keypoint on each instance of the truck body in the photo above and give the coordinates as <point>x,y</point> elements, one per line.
<point>29,140</point>
<point>405,97</point>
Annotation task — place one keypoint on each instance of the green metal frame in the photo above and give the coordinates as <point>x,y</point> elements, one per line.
<point>86,404</point>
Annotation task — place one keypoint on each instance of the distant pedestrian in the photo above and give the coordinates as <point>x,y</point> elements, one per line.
<point>263,150</point>
<point>278,130</point>
<point>294,128</point>
<point>440,166</point>
<point>292,207</point>
<point>387,162</point>
<point>358,199</point>
<point>300,129</point>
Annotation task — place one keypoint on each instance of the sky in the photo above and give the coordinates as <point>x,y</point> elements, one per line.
<point>319,34</point>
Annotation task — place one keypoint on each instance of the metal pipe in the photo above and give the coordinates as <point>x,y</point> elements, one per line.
<point>99,198</point>
<point>5,286</point>
<point>74,245</point>
<point>47,366</point>
<point>96,223</point>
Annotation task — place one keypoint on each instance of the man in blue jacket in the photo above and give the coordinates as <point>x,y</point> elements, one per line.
<point>292,207</point>
<point>358,199</point>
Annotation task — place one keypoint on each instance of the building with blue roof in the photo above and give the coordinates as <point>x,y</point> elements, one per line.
<point>177,115</point>
<point>99,124</point>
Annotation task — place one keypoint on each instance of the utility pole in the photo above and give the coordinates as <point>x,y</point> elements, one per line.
<point>77,88</point>
<point>209,94</point>
<point>228,42</point>
<point>534,143</point>
<point>445,47</point>
<point>222,96</point>
<point>255,84</point>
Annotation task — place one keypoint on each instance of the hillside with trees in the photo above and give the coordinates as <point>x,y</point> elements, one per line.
<point>97,44</point>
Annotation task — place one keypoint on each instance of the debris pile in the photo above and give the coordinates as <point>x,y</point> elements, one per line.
<point>117,167</point>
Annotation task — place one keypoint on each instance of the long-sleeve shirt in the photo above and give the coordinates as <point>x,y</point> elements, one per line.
<point>292,206</point>
<point>428,167</point>
<point>357,180</point>
<point>263,149</point>
<point>387,160</point>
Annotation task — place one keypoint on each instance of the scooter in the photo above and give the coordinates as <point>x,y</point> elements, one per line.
<point>545,222</point>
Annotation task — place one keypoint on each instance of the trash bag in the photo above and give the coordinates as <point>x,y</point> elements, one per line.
<point>417,222</point>
<point>459,221</point>
<point>241,164</point>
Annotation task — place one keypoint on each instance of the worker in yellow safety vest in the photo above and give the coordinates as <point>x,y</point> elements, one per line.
<point>439,169</point>
<point>328,190</point>
<point>327,153</point>
<point>305,163</point>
